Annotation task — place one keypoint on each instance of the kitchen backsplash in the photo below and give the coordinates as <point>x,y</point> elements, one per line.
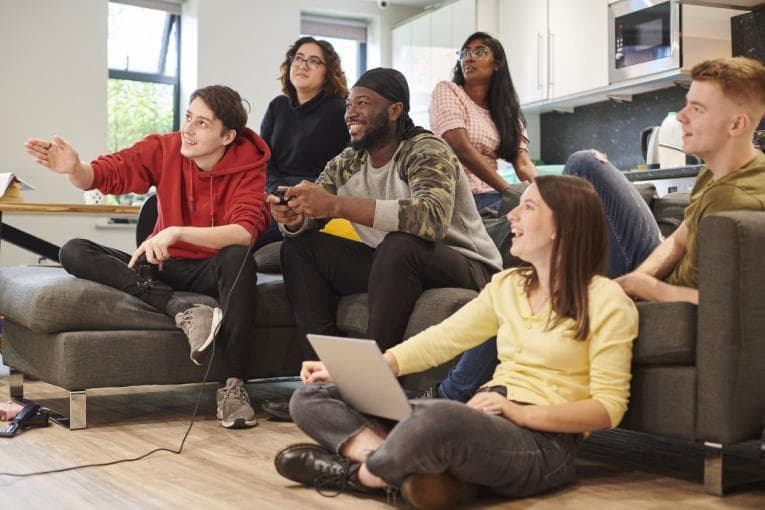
<point>610,127</point>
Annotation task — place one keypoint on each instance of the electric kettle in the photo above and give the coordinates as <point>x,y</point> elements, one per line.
<point>662,146</point>
<point>649,145</point>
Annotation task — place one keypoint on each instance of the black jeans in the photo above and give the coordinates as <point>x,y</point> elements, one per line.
<point>320,268</point>
<point>214,276</point>
<point>442,435</point>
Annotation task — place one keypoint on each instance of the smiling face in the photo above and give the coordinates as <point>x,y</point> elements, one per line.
<point>533,224</point>
<point>368,118</point>
<point>478,62</point>
<point>707,118</point>
<point>308,82</point>
<point>203,137</point>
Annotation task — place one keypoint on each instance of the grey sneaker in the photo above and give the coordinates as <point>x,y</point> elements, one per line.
<point>200,323</point>
<point>234,408</point>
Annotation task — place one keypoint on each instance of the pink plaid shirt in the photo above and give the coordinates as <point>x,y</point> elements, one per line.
<point>451,108</point>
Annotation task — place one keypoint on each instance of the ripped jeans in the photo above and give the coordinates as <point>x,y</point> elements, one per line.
<point>442,435</point>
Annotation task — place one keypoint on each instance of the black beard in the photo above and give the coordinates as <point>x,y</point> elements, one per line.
<point>379,134</point>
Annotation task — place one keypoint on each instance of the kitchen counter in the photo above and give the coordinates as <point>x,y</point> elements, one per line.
<point>663,173</point>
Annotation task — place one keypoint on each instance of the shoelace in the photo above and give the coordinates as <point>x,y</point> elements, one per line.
<point>235,392</point>
<point>187,321</point>
<point>391,495</point>
<point>337,478</point>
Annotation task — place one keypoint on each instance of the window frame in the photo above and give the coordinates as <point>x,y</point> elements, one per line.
<point>352,29</point>
<point>173,19</point>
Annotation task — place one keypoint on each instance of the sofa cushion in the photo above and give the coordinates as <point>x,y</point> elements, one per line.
<point>267,258</point>
<point>433,306</point>
<point>647,191</point>
<point>669,211</point>
<point>667,334</point>
<point>49,300</point>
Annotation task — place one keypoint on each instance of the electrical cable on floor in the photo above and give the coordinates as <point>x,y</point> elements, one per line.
<point>156,450</point>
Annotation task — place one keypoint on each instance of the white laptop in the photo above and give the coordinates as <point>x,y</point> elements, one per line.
<point>362,375</point>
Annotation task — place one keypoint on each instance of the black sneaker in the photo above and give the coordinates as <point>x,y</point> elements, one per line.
<point>314,466</point>
<point>278,410</point>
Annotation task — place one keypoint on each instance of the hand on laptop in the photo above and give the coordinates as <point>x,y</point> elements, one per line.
<point>314,371</point>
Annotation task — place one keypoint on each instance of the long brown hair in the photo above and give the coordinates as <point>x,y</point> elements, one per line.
<point>335,84</point>
<point>579,250</point>
<point>504,106</point>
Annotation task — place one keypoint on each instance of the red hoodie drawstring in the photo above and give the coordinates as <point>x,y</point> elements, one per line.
<point>190,191</point>
<point>212,204</point>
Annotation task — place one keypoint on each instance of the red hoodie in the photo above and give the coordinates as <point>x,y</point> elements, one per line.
<point>231,193</point>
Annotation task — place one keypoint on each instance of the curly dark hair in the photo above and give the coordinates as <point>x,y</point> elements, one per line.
<point>335,84</point>
<point>504,105</point>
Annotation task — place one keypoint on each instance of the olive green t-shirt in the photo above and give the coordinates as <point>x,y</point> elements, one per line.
<point>742,189</point>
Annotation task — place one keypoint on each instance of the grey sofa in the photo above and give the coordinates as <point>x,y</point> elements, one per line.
<point>698,370</point>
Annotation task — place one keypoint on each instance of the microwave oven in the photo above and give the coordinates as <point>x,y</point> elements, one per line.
<point>647,37</point>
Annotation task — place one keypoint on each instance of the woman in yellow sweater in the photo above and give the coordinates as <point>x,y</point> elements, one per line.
<point>564,337</point>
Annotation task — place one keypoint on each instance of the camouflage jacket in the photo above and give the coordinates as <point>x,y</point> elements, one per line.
<point>421,191</point>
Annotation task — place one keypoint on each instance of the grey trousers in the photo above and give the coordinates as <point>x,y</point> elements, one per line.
<point>443,435</point>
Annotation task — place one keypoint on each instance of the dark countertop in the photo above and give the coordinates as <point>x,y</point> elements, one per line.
<point>663,173</point>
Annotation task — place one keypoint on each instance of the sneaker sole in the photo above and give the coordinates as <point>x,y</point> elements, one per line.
<point>239,423</point>
<point>217,318</point>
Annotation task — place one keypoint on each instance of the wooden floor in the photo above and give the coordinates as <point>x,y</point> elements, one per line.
<point>234,468</point>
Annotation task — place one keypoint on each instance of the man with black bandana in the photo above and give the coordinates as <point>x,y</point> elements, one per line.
<point>404,191</point>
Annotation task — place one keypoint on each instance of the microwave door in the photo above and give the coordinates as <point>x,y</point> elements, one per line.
<point>645,39</point>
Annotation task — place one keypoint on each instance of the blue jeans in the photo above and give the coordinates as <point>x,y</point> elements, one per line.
<point>490,199</point>
<point>632,230</point>
<point>632,235</point>
<point>439,436</point>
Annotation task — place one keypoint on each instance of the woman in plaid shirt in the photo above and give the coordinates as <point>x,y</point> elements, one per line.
<point>478,114</point>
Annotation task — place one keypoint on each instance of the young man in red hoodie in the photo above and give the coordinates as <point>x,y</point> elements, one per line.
<point>210,180</point>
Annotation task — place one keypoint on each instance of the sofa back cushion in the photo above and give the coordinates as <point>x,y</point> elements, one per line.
<point>668,211</point>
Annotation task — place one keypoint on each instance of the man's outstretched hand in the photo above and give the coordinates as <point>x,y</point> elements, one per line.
<point>55,154</point>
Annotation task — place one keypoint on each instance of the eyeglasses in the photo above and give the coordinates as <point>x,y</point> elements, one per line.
<point>311,62</point>
<point>478,54</point>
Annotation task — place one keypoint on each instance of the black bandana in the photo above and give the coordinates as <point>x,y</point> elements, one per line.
<point>391,85</point>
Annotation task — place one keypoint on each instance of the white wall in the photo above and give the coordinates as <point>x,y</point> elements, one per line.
<point>245,50</point>
<point>53,80</point>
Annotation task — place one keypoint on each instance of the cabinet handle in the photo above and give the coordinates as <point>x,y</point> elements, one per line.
<point>539,60</point>
<point>551,64</point>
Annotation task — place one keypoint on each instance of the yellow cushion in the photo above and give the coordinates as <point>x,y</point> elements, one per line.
<point>341,228</point>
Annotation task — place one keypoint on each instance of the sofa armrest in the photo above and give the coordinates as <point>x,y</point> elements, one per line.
<point>730,354</point>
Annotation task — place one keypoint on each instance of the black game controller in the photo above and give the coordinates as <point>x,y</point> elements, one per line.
<point>279,193</point>
<point>143,270</point>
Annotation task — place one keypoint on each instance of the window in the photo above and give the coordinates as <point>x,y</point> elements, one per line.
<point>347,36</point>
<point>143,58</point>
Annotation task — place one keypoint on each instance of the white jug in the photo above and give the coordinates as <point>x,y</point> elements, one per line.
<point>671,142</point>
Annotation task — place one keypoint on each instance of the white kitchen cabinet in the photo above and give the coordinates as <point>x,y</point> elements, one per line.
<point>555,47</point>
<point>425,51</point>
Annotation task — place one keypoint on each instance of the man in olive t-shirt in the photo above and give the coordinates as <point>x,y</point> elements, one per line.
<point>742,189</point>
<point>724,105</point>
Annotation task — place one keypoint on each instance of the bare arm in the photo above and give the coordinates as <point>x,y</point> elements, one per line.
<point>524,167</point>
<point>472,159</point>
<point>60,157</point>
<point>646,281</point>
<point>666,256</point>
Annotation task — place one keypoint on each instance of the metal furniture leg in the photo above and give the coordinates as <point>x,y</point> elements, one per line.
<point>713,469</point>
<point>77,410</point>
<point>16,385</point>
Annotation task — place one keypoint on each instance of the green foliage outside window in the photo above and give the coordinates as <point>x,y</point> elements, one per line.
<point>135,110</point>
